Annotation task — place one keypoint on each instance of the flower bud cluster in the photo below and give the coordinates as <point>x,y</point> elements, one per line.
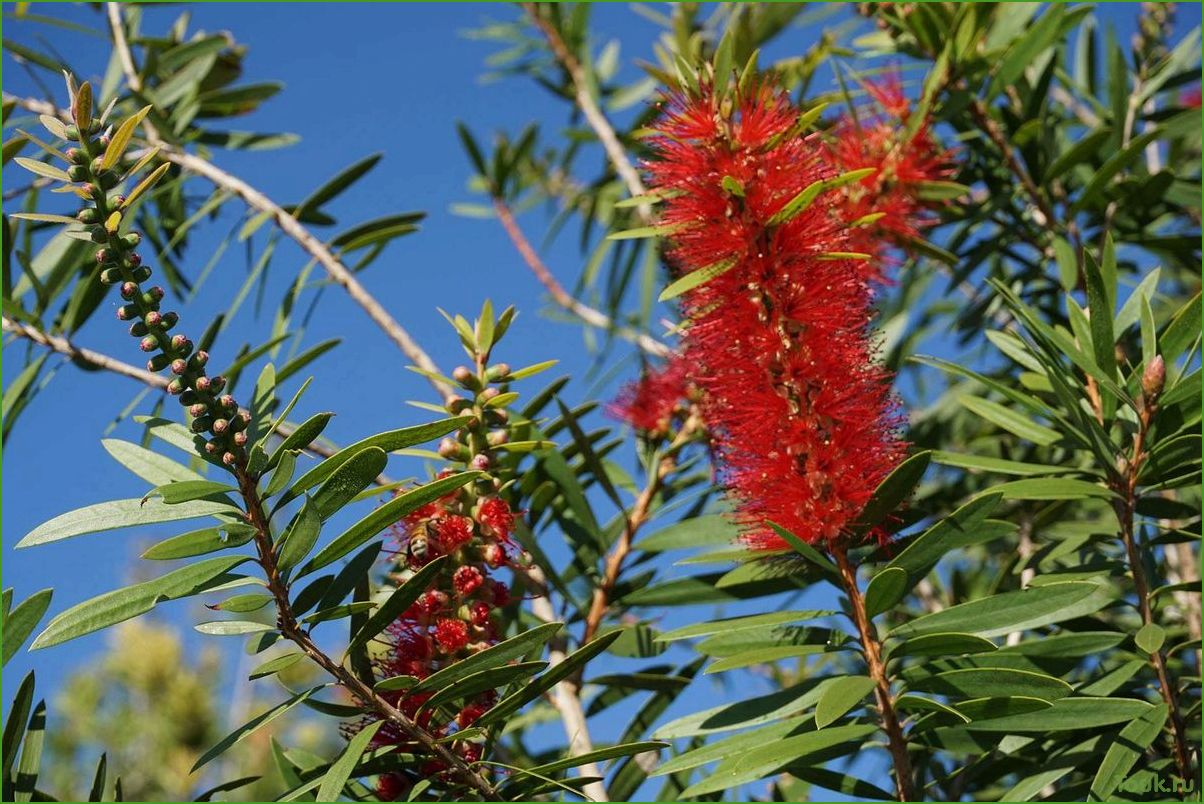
<point>460,612</point>
<point>218,422</point>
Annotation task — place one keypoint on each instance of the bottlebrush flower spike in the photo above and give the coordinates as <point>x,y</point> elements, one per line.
<point>650,402</point>
<point>801,417</point>
<point>901,166</point>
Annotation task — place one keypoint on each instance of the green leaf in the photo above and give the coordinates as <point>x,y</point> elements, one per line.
<point>384,516</point>
<point>244,603</point>
<point>380,230</point>
<point>122,604</point>
<point>120,514</point>
<point>767,759</point>
<point>529,692</point>
<point>300,536</point>
<point>1070,644</point>
<point>273,666</point>
<point>756,711</point>
<point>183,491</point>
<point>729,747</point>
<point>996,465</point>
<point>965,526</point>
<point>340,771</point>
<point>301,437</point>
<point>892,492</point>
<point>1103,340</point>
<point>392,440</point>
<point>808,552</point>
<point>336,186</point>
<point>1149,638</point>
<point>146,464</point>
<point>1010,420</point>
<point>491,678</point>
<point>1068,714</point>
<point>695,278</point>
<point>885,590</point>
<point>1125,750</point>
<point>694,532</point>
<point>30,762</point>
<point>401,599</point>
<point>596,756</point>
<point>735,624</point>
<point>199,542</point>
<point>14,725</point>
<point>20,622</point>
<point>1012,611</point>
<point>42,169</point>
<point>1050,488</point>
<point>286,465</point>
<point>643,232</point>
<point>1081,151</point>
<point>806,197</point>
<point>944,644</point>
<point>993,682</point>
<point>495,656</point>
<point>1004,706</point>
<point>1024,50</point>
<point>841,696</point>
<point>233,627</point>
<point>252,725</point>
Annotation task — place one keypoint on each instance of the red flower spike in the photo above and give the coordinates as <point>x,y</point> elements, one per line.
<point>467,580</point>
<point>452,635</point>
<point>454,532</point>
<point>648,403</point>
<point>802,420</point>
<point>496,515</point>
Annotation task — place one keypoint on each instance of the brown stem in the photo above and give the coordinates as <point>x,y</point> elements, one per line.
<point>595,318</point>
<point>292,630</point>
<point>873,657</point>
<point>615,151</point>
<point>1125,485</point>
<point>634,520</point>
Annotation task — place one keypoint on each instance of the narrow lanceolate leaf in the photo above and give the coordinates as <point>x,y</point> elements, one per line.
<point>20,622</point>
<point>946,644</point>
<point>357,473</point>
<point>42,217</point>
<point>840,697</point>
<point>401,599</point>
<point>122,136</point>
<point>696,278</point>
<point>42,169</point>
<point>30,763</point>
<point>1010,420</point>
<point>273,666</point>
<point>893,491</point>
<point>994,681</point>
<point>120,514</point>
<point>14,724</point>
<point>731,625</point>
<point>233,627</point>
<point>646,231</point>
<point>81,108</point>
<point>252,725</point>
<point>183,491</point>
<point>885,590</point>
<point>200,542</point>
<point>300,536</point>
<point>389,441</point>
<point>123,604</point>
<point>1012,611</point>
<point>145,185</point>
<point>496,656</point>
<point>331,788</point>
<point>806,197</point>
<point>386,515</point>
<point>1125,750</point>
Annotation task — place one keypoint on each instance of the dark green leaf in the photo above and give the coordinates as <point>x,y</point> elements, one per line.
<point>20,622</point>
<point>842,695</point>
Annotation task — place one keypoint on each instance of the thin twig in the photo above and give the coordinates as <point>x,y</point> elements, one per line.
<point>605,132</point>
<point>592,317</point>
<point>873,657</point>
<point>292,630</point>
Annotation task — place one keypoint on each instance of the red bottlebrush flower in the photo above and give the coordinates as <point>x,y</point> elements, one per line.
<point>467,580</point>
<point>648,403</point>
<point>432,601</point>
<point>471,714</point>
<point>802,420</point>
<point>452,635</point>
<point>392,787</point>
<point>878,140</point>
<point>494,555</point>
<point>480,612</point>
<point>454,532</point>
<point>495,514</point>
<point>501,593</point>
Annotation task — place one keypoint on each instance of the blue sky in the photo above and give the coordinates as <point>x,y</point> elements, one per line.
<point>360,78</point>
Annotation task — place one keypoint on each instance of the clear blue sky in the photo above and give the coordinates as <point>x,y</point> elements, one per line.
<point>360,78</point>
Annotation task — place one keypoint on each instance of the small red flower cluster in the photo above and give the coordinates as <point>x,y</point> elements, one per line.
<point>650,403</point>
<point>801,417</point>
<point>886,204</point>
<point>453,619</point>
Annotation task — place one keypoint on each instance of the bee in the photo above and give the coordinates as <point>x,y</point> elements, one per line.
<point>419,547</point>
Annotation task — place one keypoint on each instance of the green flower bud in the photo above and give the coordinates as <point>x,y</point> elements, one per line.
<point>176,387</point>
<point>128,290</point>
<point>110,276</point>
<point>108,179</point>
<point>138,329</point>
<point>189,397</point>
<point>240,439</point>
<point>98,164</point>
<point>72,134</point>
<point>219,426</point>
<point>88,215</point>
<point>198,409</point>
<point>179,366</point>
<point>497,372</point>
<point>142,273</point>
<point>127,312</point>
<point>170,320</point>
<point>133,239</point>
<point>201,423</point>
<point>77,173</point>
<point>99,235</point>
<point>149,344</point>
<point>157,363</point>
